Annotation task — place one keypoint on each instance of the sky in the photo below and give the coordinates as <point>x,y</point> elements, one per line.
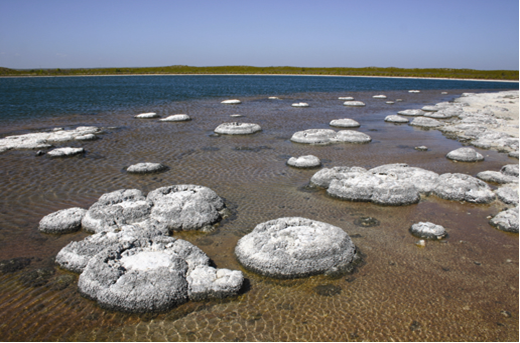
<point>476,34</point>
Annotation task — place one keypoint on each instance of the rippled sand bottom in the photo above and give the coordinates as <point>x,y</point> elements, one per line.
<point>464,288</point>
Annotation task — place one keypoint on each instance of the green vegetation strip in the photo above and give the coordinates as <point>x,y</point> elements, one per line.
<point>240,70</point>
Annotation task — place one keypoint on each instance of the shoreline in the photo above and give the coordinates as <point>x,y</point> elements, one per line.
<point>365,76</point>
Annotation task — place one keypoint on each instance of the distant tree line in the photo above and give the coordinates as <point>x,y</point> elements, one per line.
<point>182,69</point>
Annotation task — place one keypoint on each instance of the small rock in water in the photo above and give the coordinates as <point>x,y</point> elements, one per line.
<point>236,115</point>
<point>176,117</point>
<point>415,326</point>
<point>395,118</point>
<point>506,314</point>
<point>421,243</point>
<point>444,92</point>
<point>421,148</point>
<point>147,115</point>
<point>308,161</point>
<point>300,104</point>
<point>146,167</point>
<point>381,96</point>
<point>65,152</point>
<point>231,102</point>
<point>412,113</point>
<point>63,221</point>
<point>354,103</point>
<point>40,153</point>
<point>465,155</point>
<point>390,102</point>
<point>346,122</point>
<point>428,230</point>
<point>366,222</point>
<point>414,91</point>
<point>237,128</point>
<point>506,220</point>
<point>346,98</point>
<point>274,98</point>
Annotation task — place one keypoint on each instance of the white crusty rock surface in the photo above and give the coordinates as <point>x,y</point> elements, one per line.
<point>327,136</point>
<point>65,152</point>
<point>462,187</point>
<point>231,102</point>
<point>506,220</point>
<point>428,230</point>
<point>508,194</point>
<point>42,140</point>
<point>152,275</point>
<point>62,221</point>
<point>176,117</point>
<point>146,167</point>
<point>354,103</point>
<point>308,161</point>
<point>411,113</point>
<point>237,128</point>
<point>465,155</point>
<point>295,247</point>
<point>345,122</point>
<point>148,115</point>
<point>426,122</point>
<point>178,207</point>
<point>399,184</point>
<point>395,118</point>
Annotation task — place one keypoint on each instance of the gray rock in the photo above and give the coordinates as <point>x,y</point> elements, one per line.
<point>465,155</point>
<point>412,113</point>
<point>115,209</point>
<point>206,282</point>
<point>76,255</point>
<point>508,194</point>
<point>324,177</point>
<point>87,137</point>
<point>237,128</point>
<point>394,118</point>
<point>147,276</point>
<point>65,152</point>
<point>62,221</point>
<point>510,169</point>
<point>430,108</point>
<point>381,96</point>
<point>349,98</point>
<point>308,161</point>
<point>426,122</point>
<point>295,247</point>
<point>506,220</point>
<point>377,188</point>
<point>354,103</point>
<point>497,177</point>
<point>424,180</point>
<point>462,187</point>
<point>327,136</point>
<point>146,167</point>
<point>148,115</point>
<point>231,102</point>
<point>185,207</point>
<point>176,117</point>
<point>513,154</point>
<point>344,123</point>
<point>421,148</point>
<point>41,140</point>
<point>428,230</point>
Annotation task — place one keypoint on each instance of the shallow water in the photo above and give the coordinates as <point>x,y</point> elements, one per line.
<point>451,290</point>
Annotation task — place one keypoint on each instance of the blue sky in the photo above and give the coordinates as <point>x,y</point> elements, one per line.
<point>328,33</point>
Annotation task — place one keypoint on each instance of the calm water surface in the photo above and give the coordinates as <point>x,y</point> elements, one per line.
<point>452,290</point>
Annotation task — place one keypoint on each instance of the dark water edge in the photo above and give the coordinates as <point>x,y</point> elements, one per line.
<point>455,290</point>
<point>29,98</point>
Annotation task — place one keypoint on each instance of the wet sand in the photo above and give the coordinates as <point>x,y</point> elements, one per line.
<point>451,290</point>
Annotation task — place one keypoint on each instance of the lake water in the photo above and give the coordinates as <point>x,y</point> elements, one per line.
<point>454,290</point>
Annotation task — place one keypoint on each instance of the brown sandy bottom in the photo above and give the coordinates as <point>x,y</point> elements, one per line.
<point>451,290</point>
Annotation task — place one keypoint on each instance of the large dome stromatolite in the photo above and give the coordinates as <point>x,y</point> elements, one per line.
<point>295,247</point>
<point>151,275</point>
<point>237,128</point>
<point>179,207</point>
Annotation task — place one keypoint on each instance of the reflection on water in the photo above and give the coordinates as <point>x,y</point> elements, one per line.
<point>462,288</point>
